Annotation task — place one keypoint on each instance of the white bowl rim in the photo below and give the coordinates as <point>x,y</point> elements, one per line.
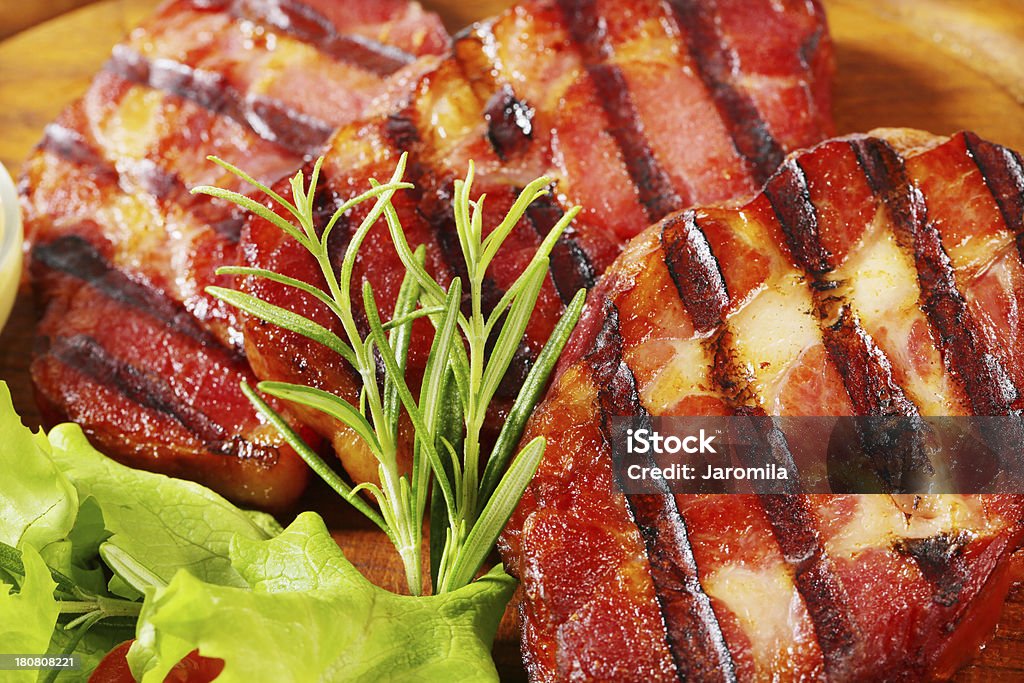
<point>10,237</point>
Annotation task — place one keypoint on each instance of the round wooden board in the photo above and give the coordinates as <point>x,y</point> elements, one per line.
<point>938,65</point>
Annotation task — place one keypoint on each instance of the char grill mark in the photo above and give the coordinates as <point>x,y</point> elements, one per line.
<point>229,227</point>
<point>571,269</point>
<point>325,203</point>
<point>436,210</point>
<point>793,524</point>
<point>893,444</point>
<point>790,198</point>
<point>693,633</point>
<point>69,145</point>
<point>76,257</point>
<point>760,429</point>
<point>687,250</point>
<point>589,36</point>
<point>727,376</point>
<point>402,133</point>
<point>793,527</point>
<point>1003,172</point>
<point>695,271</point>
<point>304,23</point>
<point>433,196</point>
<point>938,568</point>
<point>987,385</point>
<point>271,120</point>
<point>866,371</point>
<point>749,131</point>
<point>88,356</point>
<point>164,186</point>
<point>941,561</point>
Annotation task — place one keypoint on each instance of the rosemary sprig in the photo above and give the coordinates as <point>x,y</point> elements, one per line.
<point>469,355</point>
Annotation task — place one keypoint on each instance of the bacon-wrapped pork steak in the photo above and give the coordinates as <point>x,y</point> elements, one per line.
<point>634,109</point>
<point>877,275</point>
<point>130,345</point>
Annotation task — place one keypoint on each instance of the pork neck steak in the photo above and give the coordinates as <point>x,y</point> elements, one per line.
<point>873,275</point>
<point>130,345</point>
<point>633,108</point>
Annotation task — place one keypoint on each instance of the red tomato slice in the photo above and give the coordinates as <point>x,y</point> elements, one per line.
<point>192,669</point>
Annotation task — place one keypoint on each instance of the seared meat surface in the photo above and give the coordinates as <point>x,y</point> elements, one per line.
<point>632,108</point>
<point>874,275</point>
<point>130,345</point>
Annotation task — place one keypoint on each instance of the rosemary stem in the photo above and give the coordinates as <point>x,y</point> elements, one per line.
<point>410,554</point>
<point>474,417</point>
<point>407,532</point>
<point>341,293</point>
<point>471,462</point>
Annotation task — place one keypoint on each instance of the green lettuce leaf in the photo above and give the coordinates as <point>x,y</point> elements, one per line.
<point>157,524</point>
<point>27,617</point>
<point>309,615</point>
<point>39,504</point>
<point>64,504</point>
<point>77,556</point>
<point>271,527</point>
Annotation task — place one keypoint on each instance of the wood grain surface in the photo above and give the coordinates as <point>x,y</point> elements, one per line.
<point>938,65</point>
<point>18,16</point>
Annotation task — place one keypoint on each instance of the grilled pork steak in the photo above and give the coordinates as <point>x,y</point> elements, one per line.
<point>634,109</point>
<point>874,275</point>
<point>130,345</point>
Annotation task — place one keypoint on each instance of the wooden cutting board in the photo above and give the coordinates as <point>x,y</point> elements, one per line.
<point>939,65</point>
